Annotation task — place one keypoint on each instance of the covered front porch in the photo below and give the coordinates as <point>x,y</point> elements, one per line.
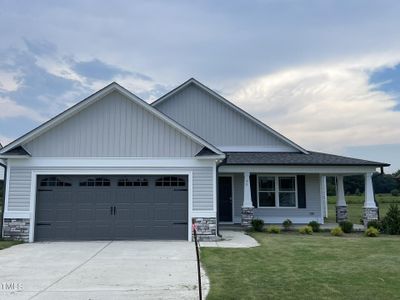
<point>277,193</point>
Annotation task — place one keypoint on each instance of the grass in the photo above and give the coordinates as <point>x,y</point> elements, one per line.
<point>6,244</point>
<point>291,266</point>
<point>355,206</point>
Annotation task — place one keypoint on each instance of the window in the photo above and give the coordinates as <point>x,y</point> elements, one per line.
<point>54,181</point>
<point>99,181</point>
<point>170,181</point>
<point>133,182</point>
<point>277,191</point>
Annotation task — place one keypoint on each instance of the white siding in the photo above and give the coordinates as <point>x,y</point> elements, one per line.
<point>114,126</point>
<point>216,122</point>
<point>311,212</point>
<point>20,185</point>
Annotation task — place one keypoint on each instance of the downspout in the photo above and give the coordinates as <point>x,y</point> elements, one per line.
<point>217,195</point>
<point>3,202</point>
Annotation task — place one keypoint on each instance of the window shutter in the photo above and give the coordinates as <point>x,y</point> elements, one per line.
<point>301,191</point>
<point>253,189</point>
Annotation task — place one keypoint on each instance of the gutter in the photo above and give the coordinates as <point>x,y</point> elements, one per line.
<point>3,202</point>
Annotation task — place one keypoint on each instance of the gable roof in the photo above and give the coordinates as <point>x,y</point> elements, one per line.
<point>297,159</point>
<point>92,99</point>
<point>230,104</point>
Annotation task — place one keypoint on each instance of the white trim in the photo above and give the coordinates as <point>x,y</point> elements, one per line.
<point>112,162</point>
<point>233,196</point>
<point>230,104</point>
<point>277,191</point>
<point>5,208</point>
<point>14,156</point>
<point>326,170</point>
<point>35,173</point>
<point>254,149</point>
<point>95,97</point>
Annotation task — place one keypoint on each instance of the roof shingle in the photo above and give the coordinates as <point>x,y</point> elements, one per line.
<point>296,158</point>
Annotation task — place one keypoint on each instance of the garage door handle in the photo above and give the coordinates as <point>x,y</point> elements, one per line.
<point>43,224</point>
<point>181,223</point>
<point>115,210</point>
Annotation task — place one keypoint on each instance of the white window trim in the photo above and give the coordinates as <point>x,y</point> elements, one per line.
<point>276,176</point>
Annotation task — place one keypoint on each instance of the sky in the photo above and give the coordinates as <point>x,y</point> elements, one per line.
<point>326,74</point>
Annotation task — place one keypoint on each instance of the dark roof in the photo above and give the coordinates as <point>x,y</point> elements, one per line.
<point>296,158</point>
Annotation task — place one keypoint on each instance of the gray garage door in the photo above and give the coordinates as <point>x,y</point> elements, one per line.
<point>111,207</point>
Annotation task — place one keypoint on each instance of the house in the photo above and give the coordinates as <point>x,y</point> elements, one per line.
<point>1,167</point>
<point>115,167</point>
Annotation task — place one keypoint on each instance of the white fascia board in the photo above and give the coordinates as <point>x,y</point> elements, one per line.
<point>208,157</point>
<point>93,98</point>
<point>116,162</point>
<point>14,156</point>
<point>254,149</point>
<point>324,170</point>
<point>230,104</point>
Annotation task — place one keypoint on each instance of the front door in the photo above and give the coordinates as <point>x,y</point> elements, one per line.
<point>225,198</point>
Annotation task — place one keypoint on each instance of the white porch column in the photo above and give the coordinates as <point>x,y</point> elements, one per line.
<point>370,209</point>
<point>324,197</point>
<point>341,205</point>
<point>247,191</point>
<point>247,207</point>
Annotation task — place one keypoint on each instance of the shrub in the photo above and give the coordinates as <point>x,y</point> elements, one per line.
<point>372,232</point>
<point>346,226</point>
<point>391,222</point>
<point>257,224</point>
<point>375,223</point>
<point>395,192</point>
<point>337,231</point>
<point>274,229</point>
<point>306,230</point>
<point>287,224</point>
<point>314,225</point>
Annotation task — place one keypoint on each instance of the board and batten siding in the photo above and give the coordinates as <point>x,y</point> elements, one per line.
<point>114,126</point>
<point>216,122</point>
<point>20,185</point>
<point>313,202</point>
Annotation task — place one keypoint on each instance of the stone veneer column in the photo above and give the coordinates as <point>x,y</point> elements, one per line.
<point>247,207</point>
<point>370,210</point>
<point>16,229</point>
<point>206,228</point>
<point>341,205</point>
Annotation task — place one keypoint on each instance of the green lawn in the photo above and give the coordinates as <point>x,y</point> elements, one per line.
<point>7,244</point>
<point>291,266</point>
<point>355,206</point>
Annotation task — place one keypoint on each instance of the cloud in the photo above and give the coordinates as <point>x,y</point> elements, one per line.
<point>11,109</point>
<point>98,70</point>
<point>5,140</point>
<point>324,107</point>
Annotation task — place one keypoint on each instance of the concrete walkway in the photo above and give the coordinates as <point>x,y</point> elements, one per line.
<point>100,270</point>
<point>232,239</point>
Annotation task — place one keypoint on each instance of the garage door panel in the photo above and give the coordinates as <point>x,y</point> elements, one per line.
<point>143,209</point>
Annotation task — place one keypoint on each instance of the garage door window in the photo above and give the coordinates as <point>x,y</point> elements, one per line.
<point>170,181</point>
<point>54,181</point>
<point>133,182</point>
<point>99,181</point>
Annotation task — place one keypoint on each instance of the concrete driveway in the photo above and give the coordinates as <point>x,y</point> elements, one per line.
<point>100,270</point>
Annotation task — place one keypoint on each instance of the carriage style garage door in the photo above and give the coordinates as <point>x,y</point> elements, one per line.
<point>111,207</point>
